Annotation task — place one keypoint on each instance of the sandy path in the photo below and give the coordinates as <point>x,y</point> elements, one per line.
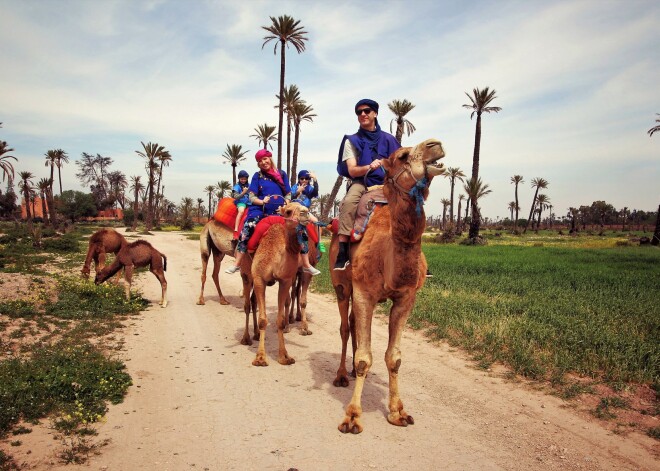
<point>198,403</point>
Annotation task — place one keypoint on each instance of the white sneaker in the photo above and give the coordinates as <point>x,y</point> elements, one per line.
<point>312,271</point>
<point>233,269</point>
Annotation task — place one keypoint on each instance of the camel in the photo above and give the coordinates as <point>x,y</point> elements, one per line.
<point>299,296</point>
<point>136,255</point>
<point>215,239</point>
<point>276,259</point>
<point>103,241</point>
<point>388,263</point>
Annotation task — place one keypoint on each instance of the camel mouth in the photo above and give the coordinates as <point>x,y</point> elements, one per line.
<point>435,169</point>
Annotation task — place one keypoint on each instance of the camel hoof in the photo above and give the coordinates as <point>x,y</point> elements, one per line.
<point>305,332</point>
<point>246,341</point>
<point>287,329</point>
<point>163,305</point>
<point>286,361</point>
<point>340,382</point>
<point>256,337</point>
<point>299,318</point>
<point>400,420</point>
<point>223,301</point>
<point>201,302</point>
<point>259,362</point>
<point>345,427</point>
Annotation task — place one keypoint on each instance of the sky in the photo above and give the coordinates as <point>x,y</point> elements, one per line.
<point>577,83</point>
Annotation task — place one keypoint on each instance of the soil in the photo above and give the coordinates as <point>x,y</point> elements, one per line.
<point>197,403</point>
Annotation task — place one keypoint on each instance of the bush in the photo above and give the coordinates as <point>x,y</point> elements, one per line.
<point>67,243</point>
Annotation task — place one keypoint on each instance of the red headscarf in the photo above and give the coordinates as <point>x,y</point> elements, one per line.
<point>272,172</point>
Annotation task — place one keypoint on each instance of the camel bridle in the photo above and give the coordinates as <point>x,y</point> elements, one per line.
<point>416,191</point>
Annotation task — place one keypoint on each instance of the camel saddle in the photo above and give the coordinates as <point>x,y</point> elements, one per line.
<point>371,200</point>
<point>267,222</point>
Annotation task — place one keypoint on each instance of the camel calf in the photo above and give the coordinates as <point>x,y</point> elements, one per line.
<point>136,255</point>
<point>103,241</point>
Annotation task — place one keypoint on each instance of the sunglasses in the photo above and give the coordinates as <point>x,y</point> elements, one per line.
<point>304,178</point>
<point>363,110</point>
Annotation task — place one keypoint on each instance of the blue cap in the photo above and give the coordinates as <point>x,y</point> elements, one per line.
<point>243,174</point>
<point>303,173</point>
<point>366,101</point>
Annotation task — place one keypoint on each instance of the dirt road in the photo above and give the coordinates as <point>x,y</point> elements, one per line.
<point>197,403</point>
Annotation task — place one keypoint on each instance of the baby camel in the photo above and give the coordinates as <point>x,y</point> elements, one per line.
<point>136,255</point>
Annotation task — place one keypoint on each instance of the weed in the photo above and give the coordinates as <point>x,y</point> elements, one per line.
<point>7,463</point>
<point>654,432</point>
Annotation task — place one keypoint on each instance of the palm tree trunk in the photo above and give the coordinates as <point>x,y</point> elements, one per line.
<point>294,162</point>
<point>477,148</point>
<point>288,144</point>
<point>333,196</point>
<point>458,218</point>
<point>451,204</point>
<point>281,110</point>
<point>59,175</point>
<point>656,235</point>
<point>515,224</point>
<point>531,211</point>
<point>474,222</point>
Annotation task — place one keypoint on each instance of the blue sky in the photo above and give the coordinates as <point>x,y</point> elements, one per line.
<point>577,82</point>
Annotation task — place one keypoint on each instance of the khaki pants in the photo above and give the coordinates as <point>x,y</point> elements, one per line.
<point>348,207</point>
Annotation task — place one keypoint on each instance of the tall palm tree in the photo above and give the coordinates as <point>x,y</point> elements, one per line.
<point>512,207</point>
<point>223,187</point>
<point>199,208</point>
<point>480,101</point>
<point>60,159</point>
<point>476,190</point>
<point>210,189</point>
<point>51,160</point>
<point>291,98</point>
<point>136,187</point>
<point>118,183</point>
<point>453,173</point>
<point>285,31</point>
<point>538,183</point>
<point>5,165</point>
<point>445,203</point>
<point>265,134</point>
<point>458,214</point>
<point>516,180</point>
<point>151,152</point>
<point>44,188</point>
<point>301,111</point>
<point>233,155</point>
<point>25,185</point>
<point>655,128</point>
<point>332,197</point>
<point>163,161</point>
<point>542,202</point>
<point>401,108</point>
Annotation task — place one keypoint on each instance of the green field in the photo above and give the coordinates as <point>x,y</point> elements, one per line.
<point>546,306</point>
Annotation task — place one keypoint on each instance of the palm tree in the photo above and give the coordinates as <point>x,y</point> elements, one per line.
<point>163,161</point>
<point>401,108</point>
<point>301,111</point>
<point>538,183</point>
<point>476,190</point>
<point>332,197</point>
<point>5,165</point>
<point>458,214</point>
<point>60,159</point>
<point>152,153</point>
<point>284,30</point>
<point>51,160</point>
<point>233,155</point>
<point>44,188</point>
<point>445,202</point>
<point>291,98</point>
<point>480,100</point>
<point>223,187</point>
<point>209,189</point>
<point>199,208</point>
<point>542,202</point>
<point>512,207</point>
<point>25,185</point>
<point>516,179</point>
<point>136,187</point>
<point>265,134</point>
<point>655,128</point>
<point>453,173</point>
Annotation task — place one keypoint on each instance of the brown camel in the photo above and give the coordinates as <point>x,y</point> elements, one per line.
<point>136,255</point>
<point>215,239</point>
<point>387,264</point>
<point>299,296</point>
<point>276,259</point>
<point>103,241</point>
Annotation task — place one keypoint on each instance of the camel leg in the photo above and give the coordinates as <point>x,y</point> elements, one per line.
<point>398,315</point>
<point>302,304</point>
<point>343,293</point>
<point>128,277</point>
<point>163,285</point>
<point>247,298</point>
<point>217,260</point>
<point>260,291</point>
<point>88,262</point>
<point>253,303</point>
<point>289,304</point>
<point>205,263</point>
<point>363,360</point>
<point>284,294</point>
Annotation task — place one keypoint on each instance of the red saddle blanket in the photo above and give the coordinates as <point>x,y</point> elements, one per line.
<point>267,222</point>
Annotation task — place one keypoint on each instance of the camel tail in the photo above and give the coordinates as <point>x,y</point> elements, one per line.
<point>211,246</point>
<point>164,261</point>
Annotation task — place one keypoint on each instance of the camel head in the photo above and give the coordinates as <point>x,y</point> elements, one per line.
<point>293,211</point>
<point>410,168</point>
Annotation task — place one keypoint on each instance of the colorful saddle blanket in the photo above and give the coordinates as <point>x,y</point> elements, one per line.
<point>267,222</point>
